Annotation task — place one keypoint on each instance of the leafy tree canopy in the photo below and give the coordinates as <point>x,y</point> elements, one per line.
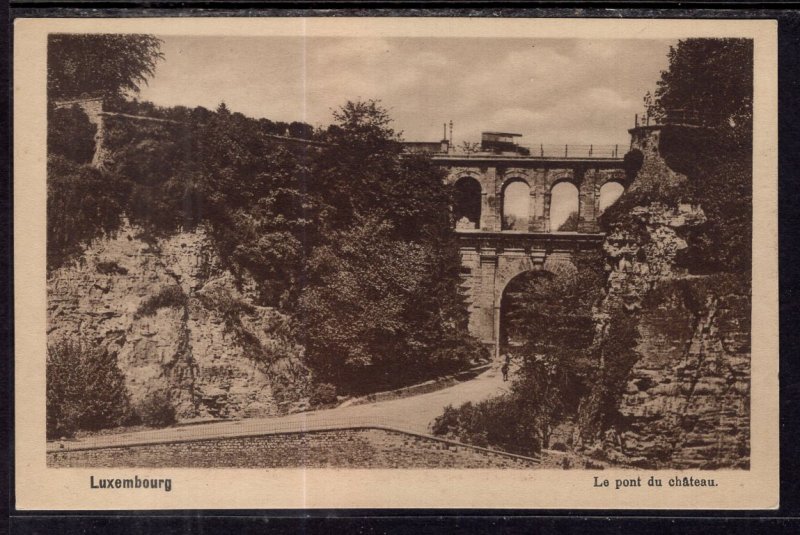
<point>100,64</point>
<point>712,78</point>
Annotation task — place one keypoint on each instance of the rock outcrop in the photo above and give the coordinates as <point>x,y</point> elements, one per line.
<point>686,401</point>
<point>688,397</point>
<point>178,322</point>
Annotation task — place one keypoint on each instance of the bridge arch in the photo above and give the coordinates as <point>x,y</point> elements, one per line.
<point>564,206</point>
<point>515,204</point>
<point>558,176</point>
<point>511,268</point>
<point>467,202</point>
<point>617,176</point>
<point>608,188</point>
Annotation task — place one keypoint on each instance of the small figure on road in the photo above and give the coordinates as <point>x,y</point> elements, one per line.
<point>504,369</point>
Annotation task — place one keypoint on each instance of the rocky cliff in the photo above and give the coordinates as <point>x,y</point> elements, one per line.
<point>178,321</point>
<point>686,400</point>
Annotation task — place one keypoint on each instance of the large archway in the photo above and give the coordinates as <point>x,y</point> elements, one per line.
<point>533,302</point>
<point>516,205</point>
<point>517,302</point>
<point>467,203</point>
<point>564,208</point>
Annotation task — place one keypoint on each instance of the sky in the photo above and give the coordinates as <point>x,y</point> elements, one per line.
<point>551,91</point>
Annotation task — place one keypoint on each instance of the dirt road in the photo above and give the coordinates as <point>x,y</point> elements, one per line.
<point>413,414</point>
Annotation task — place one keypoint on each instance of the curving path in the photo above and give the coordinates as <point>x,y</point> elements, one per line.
<point>412,414</point>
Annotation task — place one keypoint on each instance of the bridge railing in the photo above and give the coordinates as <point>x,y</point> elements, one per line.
<point>573,151</point>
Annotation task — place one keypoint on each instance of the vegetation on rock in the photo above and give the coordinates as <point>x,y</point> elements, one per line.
<point>167,297</point>
<point>85,389</point>
<point>83,203</point>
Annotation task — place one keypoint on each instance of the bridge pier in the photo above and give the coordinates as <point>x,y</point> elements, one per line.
<point>588,197</point>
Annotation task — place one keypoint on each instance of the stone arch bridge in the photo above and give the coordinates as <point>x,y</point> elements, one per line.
<point>493,251</point>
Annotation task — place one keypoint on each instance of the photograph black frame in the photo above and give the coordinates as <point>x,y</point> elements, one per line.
<point>212,521</point>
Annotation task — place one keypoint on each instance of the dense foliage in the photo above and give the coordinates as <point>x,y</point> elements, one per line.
<point>382,304</point>
<point>99,64</point>
<point>82,203</point>
<point>199,114</point>
<point>70,134</point>
<point>349,236</point>
<point>376,312</point>
<point>85,389</point>
<point>712,80</point>
<point>156,409</point>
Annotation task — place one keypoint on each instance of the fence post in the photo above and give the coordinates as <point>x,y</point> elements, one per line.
<point>566,150</point>
<point>616,150</point>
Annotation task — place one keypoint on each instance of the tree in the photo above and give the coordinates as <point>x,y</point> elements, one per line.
<point>363,170</point>
<point>382,304</point>
<point>301,130</point>
<point>99,64</point>
<point>712,78</point>
<point>378,312</point>
<point>570,224</point>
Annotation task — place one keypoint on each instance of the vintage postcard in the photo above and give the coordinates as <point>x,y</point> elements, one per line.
<point>384,262</point>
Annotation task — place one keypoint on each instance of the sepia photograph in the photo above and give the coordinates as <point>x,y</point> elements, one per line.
<point>439,253</point>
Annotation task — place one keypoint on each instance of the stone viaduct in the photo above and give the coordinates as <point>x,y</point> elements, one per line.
<point>493,252</point>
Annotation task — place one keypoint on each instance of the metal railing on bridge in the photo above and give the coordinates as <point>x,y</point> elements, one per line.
<point>571,151</point>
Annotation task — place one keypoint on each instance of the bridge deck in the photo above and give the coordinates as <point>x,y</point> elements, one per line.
<point>476,159</point>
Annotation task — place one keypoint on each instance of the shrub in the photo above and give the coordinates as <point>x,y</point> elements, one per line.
<point>85,389</point>
<point>110,268</point>
<point>156,409</point>
<point>169,296</point>
<point>503,422</point>
<point>70,134</point>
<point>323,394</point>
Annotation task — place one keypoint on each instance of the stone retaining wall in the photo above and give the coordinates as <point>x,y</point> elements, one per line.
<point>346,448</point>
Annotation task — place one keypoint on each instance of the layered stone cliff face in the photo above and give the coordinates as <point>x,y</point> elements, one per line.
<point>688,398</point>
<point>686,403</point>
<point>177,321</point>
